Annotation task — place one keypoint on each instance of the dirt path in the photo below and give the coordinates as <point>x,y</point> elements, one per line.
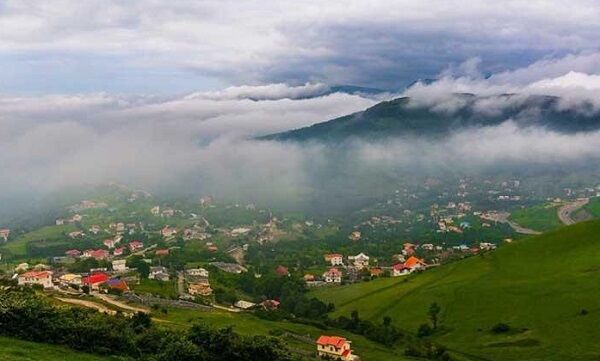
<point>88,304</point>
<point>565,212</point>
<point>120,304</point>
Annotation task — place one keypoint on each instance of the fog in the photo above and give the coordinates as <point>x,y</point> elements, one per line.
<point>203,143</point>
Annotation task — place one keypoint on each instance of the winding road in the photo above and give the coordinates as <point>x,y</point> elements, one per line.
<point>565,212</point>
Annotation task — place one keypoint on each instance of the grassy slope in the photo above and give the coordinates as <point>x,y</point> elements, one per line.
<point>593,207</point>
<point>539,218</point>
<point>539,284</point>
<point>17,350</point>
<point>18,246</point>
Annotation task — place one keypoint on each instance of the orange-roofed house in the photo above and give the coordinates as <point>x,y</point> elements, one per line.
<point>333,276</point>
<point>334,347</point>
<point>415,264</point>
<point>335,259</point>
<point>43,279</point>
<point>162,252</point>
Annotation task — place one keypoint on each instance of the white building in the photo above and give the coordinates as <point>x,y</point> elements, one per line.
<point>197,272</point>
<point>119,265</point>
<point>360,261</point>
<point>43,278</point>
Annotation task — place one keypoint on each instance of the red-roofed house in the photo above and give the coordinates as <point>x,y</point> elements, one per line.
<point>335,259</point>
<point>109,243</point>
<point>333,276</point>
<point>168,231</point>
<point>118,251</point>
<point>95,280</point>
<point>376,272</point>
<point>282,271</point>
<point>335,347</point>
<point>399,270</point>
<point>162,252</point>
<point>98,254</point>
<point>414,264</point>
<point>270,305</point>
<point>73,253</point>
<point>43,278</point>
<point>117,284</point>
<point>135,245</point>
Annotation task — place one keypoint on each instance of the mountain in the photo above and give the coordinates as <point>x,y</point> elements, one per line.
<point>404,116</point>
<point>545,288</point>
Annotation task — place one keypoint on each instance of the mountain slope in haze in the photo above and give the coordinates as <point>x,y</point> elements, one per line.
<point>402,116</point>
<point>546,288</point>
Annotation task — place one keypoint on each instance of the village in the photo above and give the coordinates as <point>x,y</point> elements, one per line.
<point>196,258</point>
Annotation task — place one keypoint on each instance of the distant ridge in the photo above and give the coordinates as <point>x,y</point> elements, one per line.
<point>402,116</point>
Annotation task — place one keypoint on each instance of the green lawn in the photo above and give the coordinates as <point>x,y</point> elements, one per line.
<point>538,286</point>
<point>17,350</point>
<point>18,246</point>
<point>593,207</point>
<point>247,324</point>
<point>167,289</point>
<point>540,218</point>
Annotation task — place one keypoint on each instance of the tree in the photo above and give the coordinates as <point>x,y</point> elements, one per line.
<point>434,312</point>
<point>387,321</point>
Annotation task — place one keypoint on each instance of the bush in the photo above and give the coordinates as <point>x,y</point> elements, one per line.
<point>424,330</point>
<point>500,328</point>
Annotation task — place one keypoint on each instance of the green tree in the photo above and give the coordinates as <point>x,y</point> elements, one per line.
<point>434,312</point>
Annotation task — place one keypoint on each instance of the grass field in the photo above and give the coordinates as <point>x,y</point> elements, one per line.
<point>167,289</point>
<point>537,285</point>
<point>248,324</point>
<point>18,246</point>
<point>17,350</point>
<point>593,207</point>
<point>540,218</point>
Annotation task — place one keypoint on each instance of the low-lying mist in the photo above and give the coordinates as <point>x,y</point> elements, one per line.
<point>203,144</point>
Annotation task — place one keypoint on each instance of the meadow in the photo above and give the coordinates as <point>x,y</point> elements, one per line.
<point>540,218</point>
<point>545,288</point>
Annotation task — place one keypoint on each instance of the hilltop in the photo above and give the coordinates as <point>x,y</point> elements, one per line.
<point>545,288</point>
<point>406,116</point>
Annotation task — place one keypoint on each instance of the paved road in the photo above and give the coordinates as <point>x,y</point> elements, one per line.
<point>502,217</point>
<point>565,212</point>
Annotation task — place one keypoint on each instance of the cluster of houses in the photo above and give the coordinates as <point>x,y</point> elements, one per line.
<point>360,262</point>
<point>4,234</point>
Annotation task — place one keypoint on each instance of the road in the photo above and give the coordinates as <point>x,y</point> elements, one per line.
<point>88,304</point>
<point>502,217</point>
<point>119,304</point>
<point>565,212</point>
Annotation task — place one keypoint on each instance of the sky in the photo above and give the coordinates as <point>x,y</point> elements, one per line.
<point>176,47</point>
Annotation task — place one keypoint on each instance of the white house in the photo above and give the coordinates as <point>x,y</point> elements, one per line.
<point>333,276</point>
<point>335,259</point>
<point>43,278</point>
<point>119,265</point>
<point>159,273</point>
<point>197,272</point>
<point>360,261</point>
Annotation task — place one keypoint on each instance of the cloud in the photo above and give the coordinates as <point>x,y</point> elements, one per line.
<point>375,43</point>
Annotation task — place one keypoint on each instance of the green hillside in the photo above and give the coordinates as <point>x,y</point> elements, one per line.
<point>18,350</point>
<point>540,218</point>
<point>545,287</point>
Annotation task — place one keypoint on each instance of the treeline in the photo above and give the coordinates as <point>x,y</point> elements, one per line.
<point>27,316</point>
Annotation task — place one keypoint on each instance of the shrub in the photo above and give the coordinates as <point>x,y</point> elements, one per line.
<point>500,328</point>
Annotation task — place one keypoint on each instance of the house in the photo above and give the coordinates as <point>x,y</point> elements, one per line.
<point>155,210</point>
<point>109,243</point>
<point>211,247</point>
<point>4,233</point>
<point>70,279</point>
<point>43,278</point>
<point>244,305</point>
<point>270,305</point>
<point>119,265</point>
<point>282,271</point>
<point>376,272</point>
<point>334,347</point>
<point>197,272</point>
<point>355,236</point>
<point>168,231</point>
<point>360,261</point>
<point>309,278</point>
<point>118,251</point>
<point>239,231</point>
<point>229,267</point>
<point>415,264</point>
<point>117,284</point>
<point>162,252</point>
<point>73,253</point>
<point>59,222</point>
<point>335,259</point>
<point>135,246</point>
<point>94,280</point>
<point>333,276</point>
<point>22,267</point>
<point>98,254</point>
<point>159,273</point>
<point>486,246</point>
<point>168,212</point>
<point>400,270</point>
<point>95,229</point>
<point>76,218</point>
<point>76,234</point>
<point>200,289</point>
